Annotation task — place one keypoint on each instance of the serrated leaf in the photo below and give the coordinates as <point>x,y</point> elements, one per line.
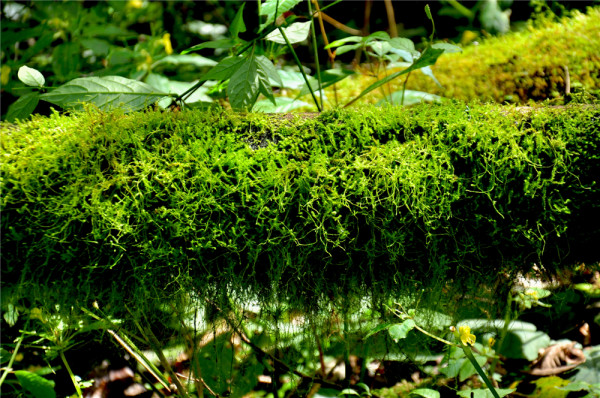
<point>295,33</point>
<point>243,86</point>
<point>23,107</point>
<point>267,66</point>
<point>238,25</point>
<point>35,384</point>
<point>221,43</point>
<point>31,77</point>
<point>425,393</point>
<point>400,330</point>
<point>268,9</point>
<point>224,69</point>
<point>108,92</point>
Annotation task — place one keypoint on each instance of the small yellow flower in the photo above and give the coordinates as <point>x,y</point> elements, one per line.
<point>135,3</point>
<point>532,293</point>
<point>166,41</point>
<point>491,341</point>
<point>465,335</point>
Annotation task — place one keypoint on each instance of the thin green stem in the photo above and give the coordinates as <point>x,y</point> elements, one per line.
<point>289,45</point>
<point>73,379</point>
<point>314,40</point>
<point>404,88</point>
<point>8,368</point>
<point>487,381</point>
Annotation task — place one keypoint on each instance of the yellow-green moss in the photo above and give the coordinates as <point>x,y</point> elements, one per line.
<point>518,67</point>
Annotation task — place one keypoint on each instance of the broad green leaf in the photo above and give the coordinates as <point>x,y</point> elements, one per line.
<point>381,35</point>
<point>380,48</point>
<point>411,97</point>
<point>295,33</point>
<point>405,48</point>
<point>268,9</point>
<point>400,330</point>
<point>589,371</point>
<point>31,77</point>
<point>348,391</point>
<point>66,60</point>
<point>224,69</point>
<point>425,393</point>
<point>348,47</point>
<point>493,19</point>
<point>23,107</point>
<point>222,43</point>
<point>447,47</point>
<point>269,69</point>
<point>108,92</point>
<point>282,105</point>
<point>576,386</point>
<point>264,70</point>
<point>484,393</point>
<point>191,59</point>
<point>238,25</point>
<point>35,384</point>
<point>428,57</point>
<point>243,86</point>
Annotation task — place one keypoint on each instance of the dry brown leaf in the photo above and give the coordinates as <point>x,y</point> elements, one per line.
<point>556,359</point>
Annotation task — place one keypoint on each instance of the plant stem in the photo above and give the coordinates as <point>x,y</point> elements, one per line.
<point>404,88</point>
<point>314,40</point>
<point>12,358</point>
<point>289,45</point>
<point>73,379</point>
<point>487,381</point>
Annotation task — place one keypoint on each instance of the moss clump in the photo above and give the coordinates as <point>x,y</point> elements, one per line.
<point>377,199</point>
<point>518,67</point>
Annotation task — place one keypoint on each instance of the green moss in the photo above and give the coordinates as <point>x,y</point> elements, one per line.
<point>517,67</point>
<point>376,200</point>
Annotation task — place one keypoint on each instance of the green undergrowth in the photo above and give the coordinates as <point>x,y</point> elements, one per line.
<point>520,67</point>
<point>435,201</point>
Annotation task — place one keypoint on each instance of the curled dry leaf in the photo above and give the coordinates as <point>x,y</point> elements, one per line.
<point>556,359</point>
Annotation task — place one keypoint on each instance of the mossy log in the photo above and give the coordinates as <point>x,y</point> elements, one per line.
<point>372,199</point>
